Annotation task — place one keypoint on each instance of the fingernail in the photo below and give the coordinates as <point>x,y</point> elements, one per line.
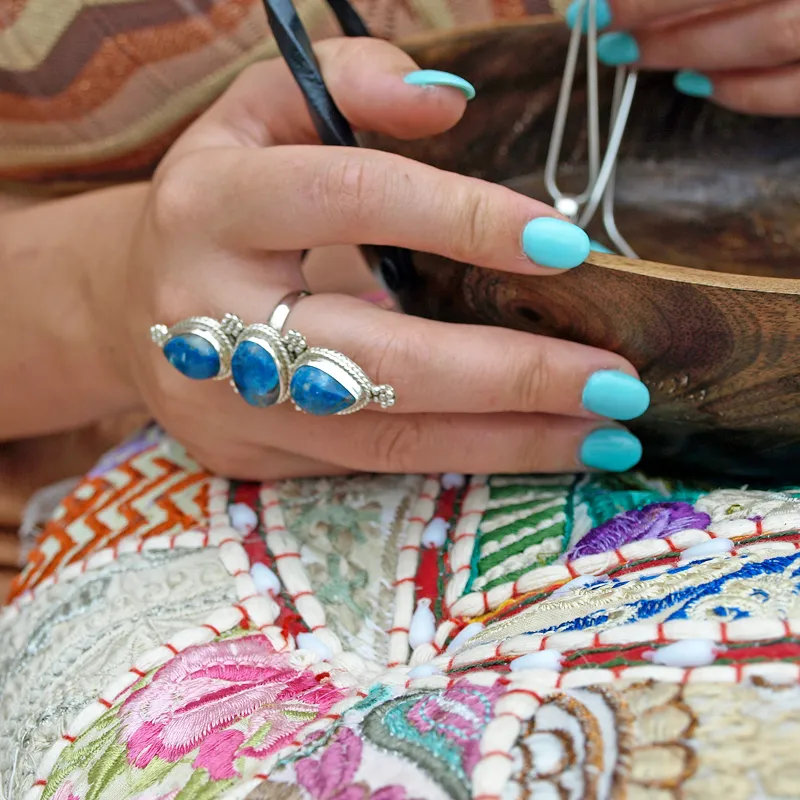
<point>602,13</point>
<point>611,450</point>
<point>433,77</point>
<point>615,395</point>
<point>555,243</point>
<point>694,84</point>
<point>617,48</point>
<point>600,248</point>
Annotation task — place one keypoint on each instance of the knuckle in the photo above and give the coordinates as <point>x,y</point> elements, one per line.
<point>394,358</point>
<point>350,189</point>
<point>786,42</point>
<point>473,227</point>
<point>396,444</point>
<point>176,197</point>
<point>530,380</point>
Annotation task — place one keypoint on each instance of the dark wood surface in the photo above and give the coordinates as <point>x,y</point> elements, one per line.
<point>711,199</point>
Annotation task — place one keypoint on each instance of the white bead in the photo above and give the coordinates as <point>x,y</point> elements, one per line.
<point>543,659</point>
<point>435,533</point>
<point>243,518</point>
<point>578,583</point>
<point>423,625</point>
<point>266,581</point>
<point>424,671</point>
<point>686,654</point>
<point>463,636</point>
<point>452,480</point>
<point>709,549</point>
<point>312,643</point>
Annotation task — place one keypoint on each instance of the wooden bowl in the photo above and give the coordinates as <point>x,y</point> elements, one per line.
<point>708,198</point>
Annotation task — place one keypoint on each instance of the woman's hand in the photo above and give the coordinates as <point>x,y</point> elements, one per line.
<point>743,54</point>
<point>246,191</point>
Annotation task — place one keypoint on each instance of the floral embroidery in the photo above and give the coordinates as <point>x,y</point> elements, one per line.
<point>438,731</point>
<point>654,521</point>
<point>212,709</point>
<point>331,777</point>
<point>193,699</point>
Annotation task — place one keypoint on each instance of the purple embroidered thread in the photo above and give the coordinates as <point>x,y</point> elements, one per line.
<point>654,521</point>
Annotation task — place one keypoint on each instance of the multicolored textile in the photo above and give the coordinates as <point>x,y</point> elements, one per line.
<point>175,635</point>
<point>97,90</point>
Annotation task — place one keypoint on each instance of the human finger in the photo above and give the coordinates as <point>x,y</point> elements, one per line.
<point>473,443</point>
<point>448,368</point>
<point>630,14</point>
<point>375,85</point>
<point>770,92</point>
<point>298,197</point>
<point>737,37</point>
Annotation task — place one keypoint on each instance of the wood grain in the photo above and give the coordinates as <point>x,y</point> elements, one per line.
<point>711,199</point>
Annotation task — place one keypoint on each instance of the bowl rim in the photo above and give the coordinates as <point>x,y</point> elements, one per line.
<point>652,269</point>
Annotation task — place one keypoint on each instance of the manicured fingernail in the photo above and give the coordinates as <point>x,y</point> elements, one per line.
<point>694,84</point>
<point>615,395</point>
<point>600,248</point>
<point>433,77</point>
<point>602,12</point>
<point>617,48</point>
<point>555,243</point>
<point>611,450</point>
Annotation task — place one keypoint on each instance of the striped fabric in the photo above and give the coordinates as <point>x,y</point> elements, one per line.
<point>96,90</point>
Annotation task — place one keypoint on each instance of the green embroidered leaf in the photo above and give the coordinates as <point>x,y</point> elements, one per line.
<point>78,756</point>
<point>193,787</point>
<point>106,770</point>
<point>152,774</point>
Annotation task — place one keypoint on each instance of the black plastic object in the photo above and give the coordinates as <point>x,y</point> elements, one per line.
<point>393,264</point>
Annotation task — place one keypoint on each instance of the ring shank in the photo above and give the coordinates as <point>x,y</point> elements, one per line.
<point>280,315</point>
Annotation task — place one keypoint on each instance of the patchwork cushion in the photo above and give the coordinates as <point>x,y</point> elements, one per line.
<point>176,635</point>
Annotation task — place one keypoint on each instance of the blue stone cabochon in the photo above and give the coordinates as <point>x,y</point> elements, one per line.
<point>271,343</point>
<point>326,383</point>
<point>205,328</point>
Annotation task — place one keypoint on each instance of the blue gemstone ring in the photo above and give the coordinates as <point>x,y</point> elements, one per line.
<point>201,348</point>
<point>260,366</point>
<point>326,383</point>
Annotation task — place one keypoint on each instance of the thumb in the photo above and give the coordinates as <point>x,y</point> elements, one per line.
<point>366,78</point>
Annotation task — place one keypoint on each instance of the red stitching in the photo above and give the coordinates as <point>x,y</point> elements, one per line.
<point>171,647</point>
<point>138,672</point>
<point>414,547</point>
<point>304,593</point>
<point>104,702</point>
<point>69,738</point>
<point>404,580</point>
<point>398,630</point>
<point>500,753</point>
<point>211,628</point>
<point>317,628</point>
<point>286,555</point>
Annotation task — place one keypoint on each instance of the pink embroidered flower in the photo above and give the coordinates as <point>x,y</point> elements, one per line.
<point>194,701</point>
<point>331,777</point>
<point>66,792</point>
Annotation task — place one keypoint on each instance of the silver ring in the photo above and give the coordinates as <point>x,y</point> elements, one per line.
<point>200,348</point>
<point>327,383</point>
<point>277,319</point>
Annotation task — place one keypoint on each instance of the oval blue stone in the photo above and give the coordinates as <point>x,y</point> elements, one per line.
<point>255,374</point>
<point>318,393</point>
<point>193,356</point>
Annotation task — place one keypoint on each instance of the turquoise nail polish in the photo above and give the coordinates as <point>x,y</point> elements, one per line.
<point>433,77</point>
<point>602,13</point>
<point>555,243</point>
<point>615,395</point>
<point>694,84</point>
<point>615,49</point>
<point>600,248</point>
<point>611,450</point>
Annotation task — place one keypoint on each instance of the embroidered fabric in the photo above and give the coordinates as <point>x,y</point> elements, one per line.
<point>567,651</point>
